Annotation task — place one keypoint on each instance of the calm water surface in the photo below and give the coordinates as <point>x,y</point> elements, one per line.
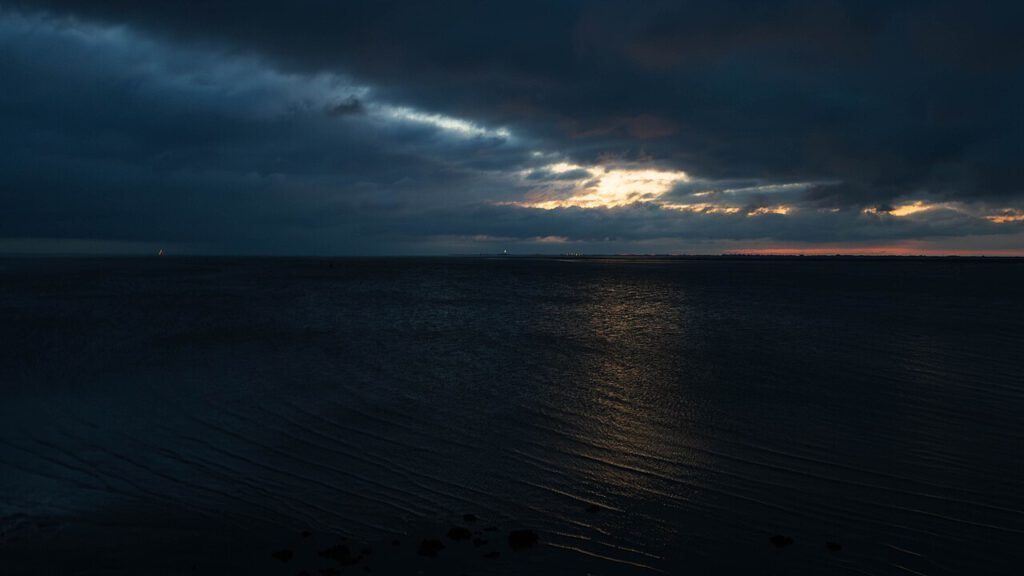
<point>179,416</point>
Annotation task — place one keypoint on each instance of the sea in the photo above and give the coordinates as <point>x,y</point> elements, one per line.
<point>511,415</point>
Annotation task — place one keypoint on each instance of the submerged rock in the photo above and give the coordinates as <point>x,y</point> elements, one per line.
<point>520,539</point>
<point>430,547</point>
<point>833,546</point>
<point>341,554</point>
<point>283,555</point>
<point>780,541</point>
<point>459,533</point>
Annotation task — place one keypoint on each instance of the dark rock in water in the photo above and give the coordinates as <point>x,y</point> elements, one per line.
<point>491,529</point>
<point>366,551</point>
<point>593,508</point>
<point>283,555</point>
<point>341,554</point>
<point>520,539</point>
<point>478,542</point>
<point>459,533</point>
<point>431,547</point>
<point>492,555</point>
<point>780,541</point>
<point>306,533</point>
<point>469,517</point>
<point>396,542</point>
<point>833,546</point>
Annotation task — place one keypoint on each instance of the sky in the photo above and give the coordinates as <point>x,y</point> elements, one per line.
<point>314,127</point>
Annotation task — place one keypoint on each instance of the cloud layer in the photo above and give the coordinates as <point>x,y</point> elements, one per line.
<point>397,127</point>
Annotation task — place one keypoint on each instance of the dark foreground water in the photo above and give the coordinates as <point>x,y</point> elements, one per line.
<point>194,416</point>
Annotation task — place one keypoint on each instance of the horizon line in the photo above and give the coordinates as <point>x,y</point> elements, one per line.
<point>751,254</point>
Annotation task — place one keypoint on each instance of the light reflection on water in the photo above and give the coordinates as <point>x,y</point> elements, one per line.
<point>623,406</point>
<point>703,405</point>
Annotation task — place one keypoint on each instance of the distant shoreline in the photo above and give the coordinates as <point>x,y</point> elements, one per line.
<point>521,257</point>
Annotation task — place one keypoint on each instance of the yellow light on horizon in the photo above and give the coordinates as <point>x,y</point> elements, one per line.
<point>1006,216</point>
<point>609,187</point>
<point>908,209</point>
<point>781,209</point>
<point>912,208</point>
<point>703,208</point>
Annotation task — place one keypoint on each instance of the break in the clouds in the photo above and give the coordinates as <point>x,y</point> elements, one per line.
<point>411,127</point>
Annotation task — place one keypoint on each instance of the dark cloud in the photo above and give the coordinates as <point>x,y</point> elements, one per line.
<point>216,124</point>
<point>346,107</point>
<point>543,174</point>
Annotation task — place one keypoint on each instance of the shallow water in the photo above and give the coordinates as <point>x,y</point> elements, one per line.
<point>191,415</point>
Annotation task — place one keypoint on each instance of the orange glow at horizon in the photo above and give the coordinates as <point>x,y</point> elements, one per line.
<point>876,251</point>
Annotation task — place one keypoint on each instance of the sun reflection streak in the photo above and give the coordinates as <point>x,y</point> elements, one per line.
<point>623,422</point>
